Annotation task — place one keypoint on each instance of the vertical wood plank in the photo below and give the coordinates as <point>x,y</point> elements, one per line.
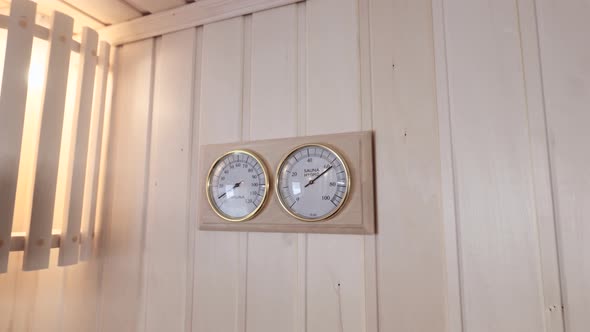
<point>193,180</point>
<point>301,295</point>
<point>47,310</point>
<point>13,98</point>
<point>167,215</point>
<point>48,157</point>
<point>410,235</point>
<point>541,168</point>
<point>371,312</point>
<point>217,254</point>
<point>565,52</point>
<point>491,152</point>
<point>335,262</point>
<point>8,287</point>
<point>272,258</point>
<point>95,148</point>
<point>70,234</point>
<point>454,312</point>
<point>129,154</point>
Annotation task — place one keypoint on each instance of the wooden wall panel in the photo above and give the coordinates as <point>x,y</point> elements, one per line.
<point>271,279</point>
<point>217,275</point>
<point>565,52</point>
<point>335,274</point>
<point>123,227</point>
<point>412,287</point>
<point>167,226</point>
<point>498,241</point>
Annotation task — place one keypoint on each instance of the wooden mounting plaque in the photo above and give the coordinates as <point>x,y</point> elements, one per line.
<point>357,216</point>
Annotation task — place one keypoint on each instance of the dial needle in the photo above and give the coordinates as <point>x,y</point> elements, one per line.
<point>317,177</point>
<point>235,186</point>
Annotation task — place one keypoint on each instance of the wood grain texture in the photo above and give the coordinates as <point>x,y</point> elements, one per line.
<point>216,275</point>
<point>107,12</point>
<point>73,202</point>
<point>355,217</point>
<point>188,16</point>
<point>541,167</point>
<point>271,278</point>
<point>566,80</point>
<point>95,149</point>
<point>410,235</point>
<point>335,265</point>
<point>495,202</point>
<point>123,228</point>
<point>16,57</point>
<point>50,154</point>
<point>167,206</point>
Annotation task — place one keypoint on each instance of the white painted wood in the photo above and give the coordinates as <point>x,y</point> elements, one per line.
<point>191,15</point>
<point>155,6</point>
<point>16,60</point>
<point>335,262</point>
<point>272,274</point>
<point>541,168</point>
<point>107,12</point>
<point>95,148</point>
<point>564,52</point>
<point>74,200</point>
<point>167,220</point>
<point>123,226</point>
<point>48,157</point>
<point>217,254</point>
<point>495,201</point>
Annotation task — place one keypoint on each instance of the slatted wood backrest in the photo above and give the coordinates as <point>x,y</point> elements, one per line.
<point>74,165</point>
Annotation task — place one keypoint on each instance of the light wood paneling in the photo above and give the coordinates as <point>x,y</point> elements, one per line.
<point>107,12</point>
<point>565,52</point>
<point>216,276</point>
<point>335,284</point>
<point>194,14</point>
<point>496,219</point>
<point>123,227</point>
<point>411,266</point>
<point>167,223</point>
<point>154,6</point>
<point>271,284</point>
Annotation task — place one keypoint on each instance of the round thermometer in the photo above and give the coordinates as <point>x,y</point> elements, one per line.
<point>237,185</point>
<point>312,182</point>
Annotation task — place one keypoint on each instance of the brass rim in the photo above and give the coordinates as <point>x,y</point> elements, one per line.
<point>266,186</point>
<point>344,199</point>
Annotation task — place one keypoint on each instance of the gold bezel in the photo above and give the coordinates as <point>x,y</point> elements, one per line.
<point>348,180</point>
<point>266,186</point>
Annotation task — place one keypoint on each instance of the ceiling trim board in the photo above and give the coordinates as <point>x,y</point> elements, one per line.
<point>187,16</point>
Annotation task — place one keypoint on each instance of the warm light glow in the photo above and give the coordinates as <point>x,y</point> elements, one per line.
<point>36,73</point>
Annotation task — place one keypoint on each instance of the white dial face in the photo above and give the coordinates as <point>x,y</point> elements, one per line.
<point>313,182</point>
<point>237,186</point>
